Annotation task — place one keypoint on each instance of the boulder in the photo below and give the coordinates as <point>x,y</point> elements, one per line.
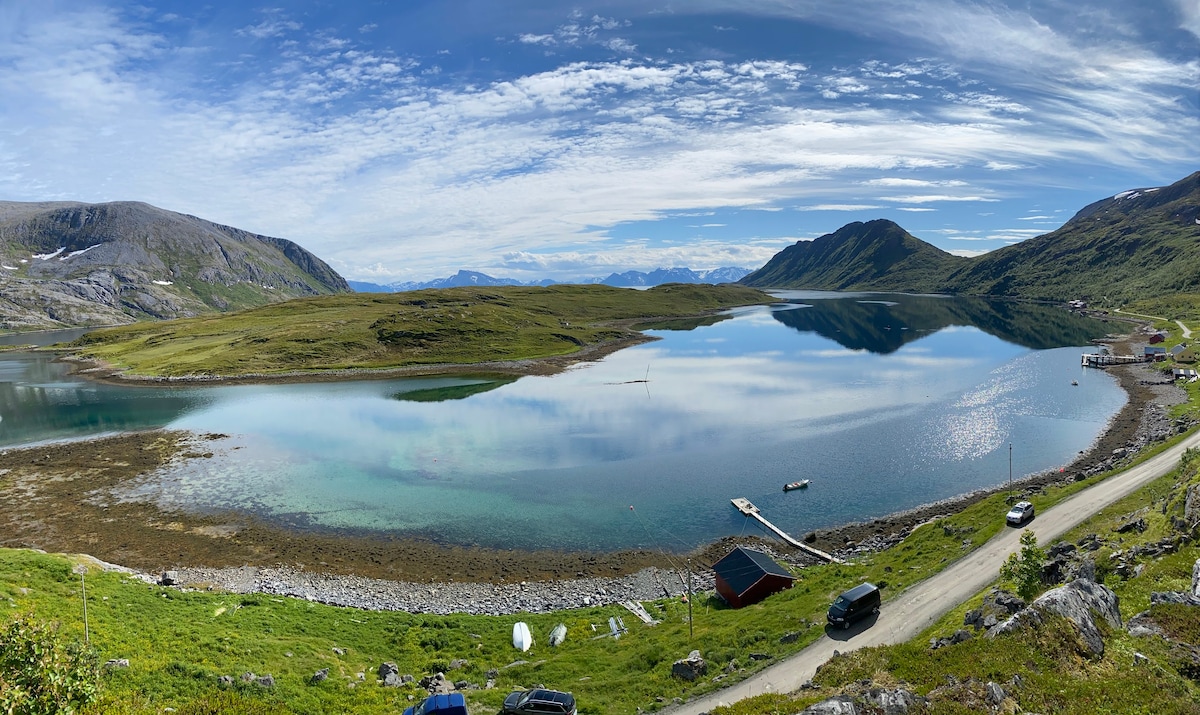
<point>265,681</point>
<point>1138,525</point>
<point>437,684</point>
<point>892,702</point>
<point>690,668</point>
<point>1191,506</point>
<point>320,675</point>
<point>1080,602</point>
<point>116,663</point>
<point>1196,578</point>
<point>169,578</point>
<point>837,705</point>
<point>386,668</point>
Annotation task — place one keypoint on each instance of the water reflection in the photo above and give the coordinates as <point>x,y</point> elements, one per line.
<point>882,325</point>
<point>674,428</point>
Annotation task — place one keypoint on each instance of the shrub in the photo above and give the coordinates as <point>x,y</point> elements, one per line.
<point>1024,569</point>
<point>42,675</point>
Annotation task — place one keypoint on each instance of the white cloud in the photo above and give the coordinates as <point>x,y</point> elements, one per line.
<point>914,209</point>
<point>893,181</point>
<point>1189,15</point>
<point>274,24</point>
<point>930,198</point>
<point>838,207</point>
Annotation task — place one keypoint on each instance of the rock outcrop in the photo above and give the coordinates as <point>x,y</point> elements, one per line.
<point>1080,602</point>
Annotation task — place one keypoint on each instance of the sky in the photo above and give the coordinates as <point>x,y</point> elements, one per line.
<point>530,139</point>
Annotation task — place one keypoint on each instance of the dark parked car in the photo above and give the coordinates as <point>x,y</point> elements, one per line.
<point>1020,513</point>
<point>854,605</point>
<point>538,702</point>
<point>451,704</point>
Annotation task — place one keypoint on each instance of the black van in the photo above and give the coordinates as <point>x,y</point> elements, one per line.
<point>853,605</point>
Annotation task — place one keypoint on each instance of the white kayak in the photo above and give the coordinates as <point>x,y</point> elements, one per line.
<point>521,636</point>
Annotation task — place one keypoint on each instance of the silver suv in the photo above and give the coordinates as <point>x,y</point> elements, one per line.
<point>1021,512</point>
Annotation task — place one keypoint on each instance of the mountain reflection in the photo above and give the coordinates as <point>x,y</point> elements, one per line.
<point>884,323</point>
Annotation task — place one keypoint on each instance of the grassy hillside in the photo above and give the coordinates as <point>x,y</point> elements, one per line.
<point>1136,245</point>
<point>431,327</point>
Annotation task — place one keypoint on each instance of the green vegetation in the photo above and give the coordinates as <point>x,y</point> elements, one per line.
<point>1023,570</point>
<point>40,674</point>
<point>421,328</point>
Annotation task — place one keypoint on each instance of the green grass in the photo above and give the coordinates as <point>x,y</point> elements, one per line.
<point>377,331</point>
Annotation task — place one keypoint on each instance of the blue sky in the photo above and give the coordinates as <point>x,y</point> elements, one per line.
<point>531,138</point>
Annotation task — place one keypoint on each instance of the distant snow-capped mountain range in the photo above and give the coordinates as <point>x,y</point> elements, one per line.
<point>628,279</point>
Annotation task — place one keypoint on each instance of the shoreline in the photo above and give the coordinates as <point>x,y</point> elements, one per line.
<point>73,511</point>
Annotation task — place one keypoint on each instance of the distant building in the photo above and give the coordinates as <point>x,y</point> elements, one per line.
<point>1175,351</point>
<point>1155,353</point>
<point>1077,304</point>
<point>746,576</point>
<point>1157,338</point>
<point>1183,373</point>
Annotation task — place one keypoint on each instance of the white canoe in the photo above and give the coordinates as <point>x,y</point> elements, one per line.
<point>521,636</point>
<point>559,634</point>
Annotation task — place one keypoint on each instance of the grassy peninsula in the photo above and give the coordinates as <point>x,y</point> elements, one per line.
<point>372,331</point>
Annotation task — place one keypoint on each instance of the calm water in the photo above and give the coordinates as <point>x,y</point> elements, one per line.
<point>885,402</point>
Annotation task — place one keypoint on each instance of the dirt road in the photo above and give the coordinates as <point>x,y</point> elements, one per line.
<point>904,617</point>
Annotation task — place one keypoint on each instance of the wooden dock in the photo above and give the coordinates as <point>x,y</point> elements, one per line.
<point>1106,359</point>
<point>747,509</point>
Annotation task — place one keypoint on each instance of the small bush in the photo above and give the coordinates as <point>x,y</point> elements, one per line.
<point>42,675</point>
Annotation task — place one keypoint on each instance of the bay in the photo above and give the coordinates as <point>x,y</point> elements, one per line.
<point>885,402</point>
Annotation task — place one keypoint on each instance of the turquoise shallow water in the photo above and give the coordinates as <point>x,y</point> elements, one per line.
<point>884,402</point>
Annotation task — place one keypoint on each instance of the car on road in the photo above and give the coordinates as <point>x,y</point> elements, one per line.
<point>854,605</point>
<point>1020,513</point>
<point>538,702</point>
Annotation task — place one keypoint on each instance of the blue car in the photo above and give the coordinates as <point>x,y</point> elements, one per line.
<point>451,704</point>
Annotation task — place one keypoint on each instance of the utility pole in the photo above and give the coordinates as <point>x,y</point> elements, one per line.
<point>1010,471</point>
<point>690,630</point>
<point>81,570</point>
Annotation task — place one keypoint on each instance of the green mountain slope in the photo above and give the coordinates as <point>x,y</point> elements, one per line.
<point>877,255</point>
<point>1138,244</point>
<point>66,264</point>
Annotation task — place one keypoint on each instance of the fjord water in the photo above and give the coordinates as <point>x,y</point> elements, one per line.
<point>885,402</point>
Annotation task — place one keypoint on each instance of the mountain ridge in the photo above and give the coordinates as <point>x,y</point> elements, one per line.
<point>66,264</point>
<point>1136,244</point>
<point>627,279</point>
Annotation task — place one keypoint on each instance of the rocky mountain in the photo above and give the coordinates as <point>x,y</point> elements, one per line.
<point>65,264</point>
<point>636,279</point>
<point>876,255</point>
<point>1140,243</point>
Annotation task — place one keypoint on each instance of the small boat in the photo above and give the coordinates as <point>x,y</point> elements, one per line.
<point>521,637</point>
<point>558,635</point>
<point>803,483</point>
<point>1074,382</point>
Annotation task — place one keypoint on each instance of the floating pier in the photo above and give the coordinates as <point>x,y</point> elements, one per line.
<point>1106,359</point>
<point>747,509</point>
